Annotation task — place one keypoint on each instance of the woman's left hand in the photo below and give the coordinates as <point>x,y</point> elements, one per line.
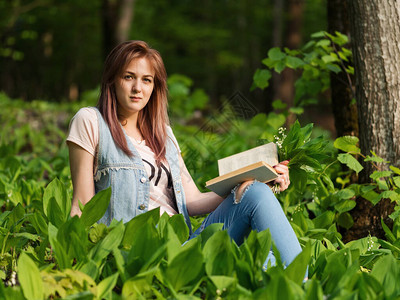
<point>283,179</point>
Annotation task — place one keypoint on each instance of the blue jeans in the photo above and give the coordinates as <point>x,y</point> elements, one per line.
<point>258,209</point>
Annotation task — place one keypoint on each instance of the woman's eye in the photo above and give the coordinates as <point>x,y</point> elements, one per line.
<point>148,80</point>
<point>128,77</point>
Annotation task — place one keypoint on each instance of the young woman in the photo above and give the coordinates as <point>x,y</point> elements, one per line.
<point>126,143</point>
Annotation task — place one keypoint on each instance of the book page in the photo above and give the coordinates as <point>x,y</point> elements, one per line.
<point>267,153</point>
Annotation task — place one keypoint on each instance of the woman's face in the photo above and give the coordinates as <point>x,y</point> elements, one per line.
<point>134,87</point>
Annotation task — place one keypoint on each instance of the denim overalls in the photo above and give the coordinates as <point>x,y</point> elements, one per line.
<point>130,186</point>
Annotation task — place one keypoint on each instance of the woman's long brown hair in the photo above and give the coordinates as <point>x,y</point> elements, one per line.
<point>153,118</point>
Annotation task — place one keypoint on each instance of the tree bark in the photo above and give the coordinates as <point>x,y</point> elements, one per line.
<point>375,32</point>
<point>285,82</point>
<point>344,111</point>
<point>375,28</point>
<point>117,16</point>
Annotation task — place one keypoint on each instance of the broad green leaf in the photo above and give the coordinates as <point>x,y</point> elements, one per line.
<point>280,66</point>
<point>111,241</point>
<point>135,225</point>
<point>345,205</point>
<point>294,62</point>
<point>350,161</point>
<point>57,190</point>
<point>389,235</point>
<point>96,207</point>
<point>185,268</point>
<point>313,290</point>
<point>276,54</point>
<point>54,213</point>
<point>38,223</point>
<point>147,250</point>
<point>296,110</point>
<point>386,270</point>
<point>347,144</point>
<point>90,268</point>
<point>345,220</point>
<point>376,159</point>
<point>105,287</point>
<point>394,169</point>
<point>72,236</point>
<point>372,197</point>
<point>380,174</point>
<point>218,254</point>
<point>223,282</point>
<point>296,270</point>
<point>325,220</point>
<point>60,254</point>
<point>392,195</point>
<point>345,194</point>
<point>396,180</point>
<point>179,225</point>
<point>13,219</point>
<point>261,78</point>
<point>29,277</point>
<point>209,231</point>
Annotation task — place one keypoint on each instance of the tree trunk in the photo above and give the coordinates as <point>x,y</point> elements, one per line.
<point>287,78</point>
<point>345,113</point>
<point>375,31</point>
<point>375,27</point>
<point>117,16</point>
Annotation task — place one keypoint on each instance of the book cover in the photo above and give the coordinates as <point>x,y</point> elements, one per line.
<point>251,164</point>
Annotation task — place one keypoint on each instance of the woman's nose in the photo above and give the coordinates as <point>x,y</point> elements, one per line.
<point>136,87</point>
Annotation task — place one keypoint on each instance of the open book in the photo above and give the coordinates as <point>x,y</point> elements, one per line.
<point>255,163</point>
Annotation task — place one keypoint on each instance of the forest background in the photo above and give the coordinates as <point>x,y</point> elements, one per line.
<point>240,73</point>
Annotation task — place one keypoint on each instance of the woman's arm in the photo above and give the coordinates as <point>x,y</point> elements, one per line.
<point>197,203</point>
<point>81,163</point>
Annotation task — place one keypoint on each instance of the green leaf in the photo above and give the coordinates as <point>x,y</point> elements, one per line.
<point>297,269</point>
<point>345,220</point>
<point>389,235</point>
<point>185,268</point>
<point>394,169</point>
<point>179,225</point>
<point>218,254</point>
<point>96,207</point>
<point>380,174</point>
<point>57,190</point>
<point>345,194</point>
<point>278,104</point>
<point>372,197</point>
<point>313,290</point>
<point>54,213</point>
<point>386,270</point>
<point>261,78</point>
<point>392,195</point>
<point>111,241</point>
<point>30,278</point>
<point>223,282</point>
<point>276,54</point>
<point>350,161</point>
<point>104,288</point>
<point>296,110</point>
<point>38,223</point>
<point>347,144</point>
<point>396,181</point>
<point>280,66</point>
<point>294,62</point>
<point>135,225</point>
<point>345,205</point>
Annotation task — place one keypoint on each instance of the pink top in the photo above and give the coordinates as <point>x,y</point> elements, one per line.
<point>84,131</point>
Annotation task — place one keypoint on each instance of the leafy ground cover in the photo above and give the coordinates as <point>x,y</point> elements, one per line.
<point>47,254</point>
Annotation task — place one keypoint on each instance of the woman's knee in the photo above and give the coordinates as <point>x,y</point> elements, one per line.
<point>251,190</point>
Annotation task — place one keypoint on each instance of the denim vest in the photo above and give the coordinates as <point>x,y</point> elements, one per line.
<point>130,186</point>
